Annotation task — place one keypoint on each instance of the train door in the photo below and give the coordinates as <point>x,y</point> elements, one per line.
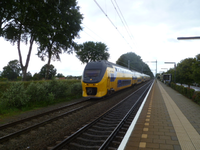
<point>110,83</point>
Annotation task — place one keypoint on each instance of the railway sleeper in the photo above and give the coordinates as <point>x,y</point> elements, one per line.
<point>89,140</point>
<point>118,137</point>
<point>82,146</point>
<point>104,124</point>
<point>116,142</point>
<point>104,127</point>
<point>108,122</point>
<point>94,136</point>
<point>98,131</point>
<point>112,119</point>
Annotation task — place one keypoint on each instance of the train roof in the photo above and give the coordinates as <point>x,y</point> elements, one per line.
<point>110,64</point>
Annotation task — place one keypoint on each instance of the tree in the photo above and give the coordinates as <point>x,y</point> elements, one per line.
<point>91,51</point>
<point>60,75</point>
<point>12,70</point>
<point>62,28</point>
<point>185,71</point>
<point>28,76</point>
<point>43,72</point>
<point>196,69</point>
<point>51,23</point>
<point>36,76</point>
<point>134,62</point>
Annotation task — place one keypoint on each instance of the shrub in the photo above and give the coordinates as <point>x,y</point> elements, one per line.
<point>196,97</point>
<point>60,89</point>
<point>76,88</point>
<point>15,96</point>
<point>190,92</point>
<point>37,92</point>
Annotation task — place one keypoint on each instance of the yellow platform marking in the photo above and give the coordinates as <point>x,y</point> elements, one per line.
<point>146,124</point>
<point>188,137</point>
<point>142,144</point>
<point>144,136</point>
<point>147,119</point>
<point>145,129</point>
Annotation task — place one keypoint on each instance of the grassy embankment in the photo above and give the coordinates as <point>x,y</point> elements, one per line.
<point>18,97</point>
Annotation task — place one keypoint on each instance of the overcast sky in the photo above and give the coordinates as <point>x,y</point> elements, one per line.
<point>150,29</point>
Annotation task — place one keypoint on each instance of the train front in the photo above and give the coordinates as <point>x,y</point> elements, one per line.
<point>94,80</point>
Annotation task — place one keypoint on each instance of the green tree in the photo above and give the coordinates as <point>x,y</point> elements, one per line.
<point>29,76</point>
<point>91,51</point>
<point>43,72</point>
<point>51,23</point>
<point>134,62</point>
<point>59,75</point>
<point>185,71</point>
<point>12,70</point>
<point>196,69</point>
<point>61,30</point>
<point>36,76</point>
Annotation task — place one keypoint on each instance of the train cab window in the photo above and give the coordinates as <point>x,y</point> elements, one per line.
<point>91,73</point>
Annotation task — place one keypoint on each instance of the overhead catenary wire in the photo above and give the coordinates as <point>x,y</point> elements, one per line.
<point>112,23</point>
<point>93,32</point>
<point>121,18</point>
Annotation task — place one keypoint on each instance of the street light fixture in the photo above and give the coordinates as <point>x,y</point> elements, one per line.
<point>188,38</point>
<point>174,69</point>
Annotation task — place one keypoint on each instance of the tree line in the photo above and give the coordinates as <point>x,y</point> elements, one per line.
<point>187,71</point>
<point>53,26</point>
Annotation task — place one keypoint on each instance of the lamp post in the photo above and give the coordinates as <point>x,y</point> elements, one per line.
<point>188,38</point>
<point>153,62</point>
<point>174,69</point>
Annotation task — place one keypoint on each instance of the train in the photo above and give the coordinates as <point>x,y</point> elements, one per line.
<point>101,78</point>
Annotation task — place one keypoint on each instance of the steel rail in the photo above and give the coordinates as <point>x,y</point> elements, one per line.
<point>7,137</point>
<point>70,138</point>
<point>39,115</point>
<point>113,134</point>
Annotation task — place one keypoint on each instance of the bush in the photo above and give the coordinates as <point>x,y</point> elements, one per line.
<point>60,89</point>
<point>37,92</point>
<point>196,97</point>
<point>76,89</point>
<point>15,96</point>
<point>190,93</point>
<point>19,94</point>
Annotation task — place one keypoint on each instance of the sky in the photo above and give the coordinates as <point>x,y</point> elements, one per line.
<point>149,28</point>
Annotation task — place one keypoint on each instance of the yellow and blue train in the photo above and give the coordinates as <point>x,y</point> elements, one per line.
<point>101,78</point>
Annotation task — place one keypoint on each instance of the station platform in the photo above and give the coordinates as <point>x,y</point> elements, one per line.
<point>168,121</point>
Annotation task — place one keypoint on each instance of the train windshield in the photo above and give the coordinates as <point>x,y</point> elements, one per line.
<point>91,73</point>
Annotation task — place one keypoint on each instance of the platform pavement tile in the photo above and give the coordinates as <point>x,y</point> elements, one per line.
<point>172,142</point>
<point>133,144</point>
<point>133,135</point>
<point>147,140</point>
<point>153,129</point>
<point>170,133</point>
<point>159,133</point>
<point>166,147</point>
<point>177,147</point>
<point>134,139</point>
<point>152,145</point>
<point>164,137</point>
<point>138,132</point>
<point>164,130</point>
<point>158,141</point>
<point>174,138</point>
<point>153,136</point>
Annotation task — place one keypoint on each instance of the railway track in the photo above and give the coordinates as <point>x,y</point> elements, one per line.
<point>107,131</point>
<point>17,128</point>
